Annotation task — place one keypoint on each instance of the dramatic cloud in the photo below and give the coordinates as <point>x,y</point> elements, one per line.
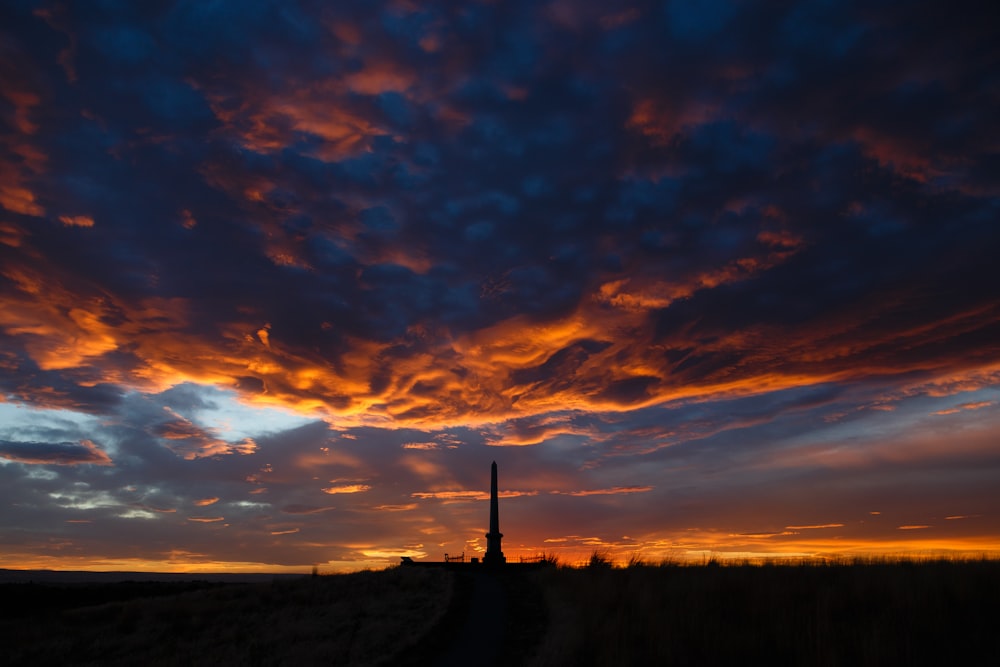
<point>720,278</point>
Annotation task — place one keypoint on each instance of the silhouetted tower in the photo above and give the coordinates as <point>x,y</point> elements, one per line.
<point>494,556</point>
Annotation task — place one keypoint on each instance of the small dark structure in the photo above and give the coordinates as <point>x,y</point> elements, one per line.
<point>494,555</point>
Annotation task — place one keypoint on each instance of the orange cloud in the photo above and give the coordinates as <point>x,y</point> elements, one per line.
<point>613,491</point>
<point>661,120</point>
<point>469,495</point>
<point>482,394</point>
<point>20,159</point>
<point>347,488</point>
<point>19,199</point>
<point>191,441</point>
<point>347,32</point>
<point>76,220</point>
<point>396,508</point>
<point>11,234</point>
<point>305,509</point>
<point>377,78</point>
<point>600,357</point>
<point>977,405</point>
<point>204,502</point>
<point>266,122</point>
<point>603,356</point>
<point>430,43</point>
<point>640,294</point>
<point>452,495</point>
<point>187,219</point>
<point>65,327</point>
<point>900,154</point>
<point>23,102</point>
<point>420,445</point>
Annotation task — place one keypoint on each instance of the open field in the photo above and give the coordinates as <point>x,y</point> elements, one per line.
<point>359,619</point>
<point>873,613</point>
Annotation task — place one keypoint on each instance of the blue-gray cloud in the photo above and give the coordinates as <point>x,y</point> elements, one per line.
<point>54,453</point>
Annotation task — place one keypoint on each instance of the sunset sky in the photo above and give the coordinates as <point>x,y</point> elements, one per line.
<point>279,280</point>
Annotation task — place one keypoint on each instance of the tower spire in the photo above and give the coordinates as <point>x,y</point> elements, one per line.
<point>494,556</point>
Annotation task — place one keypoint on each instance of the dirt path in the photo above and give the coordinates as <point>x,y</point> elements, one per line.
<point>495,618</point>
<point>481,636</point>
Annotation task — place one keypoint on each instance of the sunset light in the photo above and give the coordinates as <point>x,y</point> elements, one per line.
<point>278,281</point>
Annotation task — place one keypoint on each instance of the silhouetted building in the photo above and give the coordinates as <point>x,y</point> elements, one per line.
<point>494,555</point>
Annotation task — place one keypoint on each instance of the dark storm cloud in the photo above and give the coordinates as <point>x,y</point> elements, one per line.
<point>54,453</point>
<point>553,119</point>
<point>83,391</point>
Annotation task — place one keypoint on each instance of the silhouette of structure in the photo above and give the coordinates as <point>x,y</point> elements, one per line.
<point>494,555</point>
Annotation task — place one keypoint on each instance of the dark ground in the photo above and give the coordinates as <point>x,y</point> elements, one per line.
<point>366,618</point>
<point>497,616</point>
<point>877,614</point>
<point>939,613</point>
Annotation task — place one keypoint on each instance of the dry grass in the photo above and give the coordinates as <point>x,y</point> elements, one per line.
<point>850,613</point>
<point>358,619</point>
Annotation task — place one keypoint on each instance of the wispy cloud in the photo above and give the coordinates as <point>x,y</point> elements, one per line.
<point>347,488</point>
<point>420,445</point>
<point>613,491</point>
<point>306,509</point>
<point>469,495</point>
<point>977,405</point>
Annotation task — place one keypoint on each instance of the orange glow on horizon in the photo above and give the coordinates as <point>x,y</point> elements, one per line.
<point>687,548</point>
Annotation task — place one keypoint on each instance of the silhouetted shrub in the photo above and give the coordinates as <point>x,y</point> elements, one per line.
<point>600,559</point>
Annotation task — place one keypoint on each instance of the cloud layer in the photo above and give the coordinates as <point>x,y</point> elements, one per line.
<point>714,278</point>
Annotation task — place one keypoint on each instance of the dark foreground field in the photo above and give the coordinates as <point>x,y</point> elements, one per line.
<point>358,619</point>
<point>847,614</point>
<point>941,613</point>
